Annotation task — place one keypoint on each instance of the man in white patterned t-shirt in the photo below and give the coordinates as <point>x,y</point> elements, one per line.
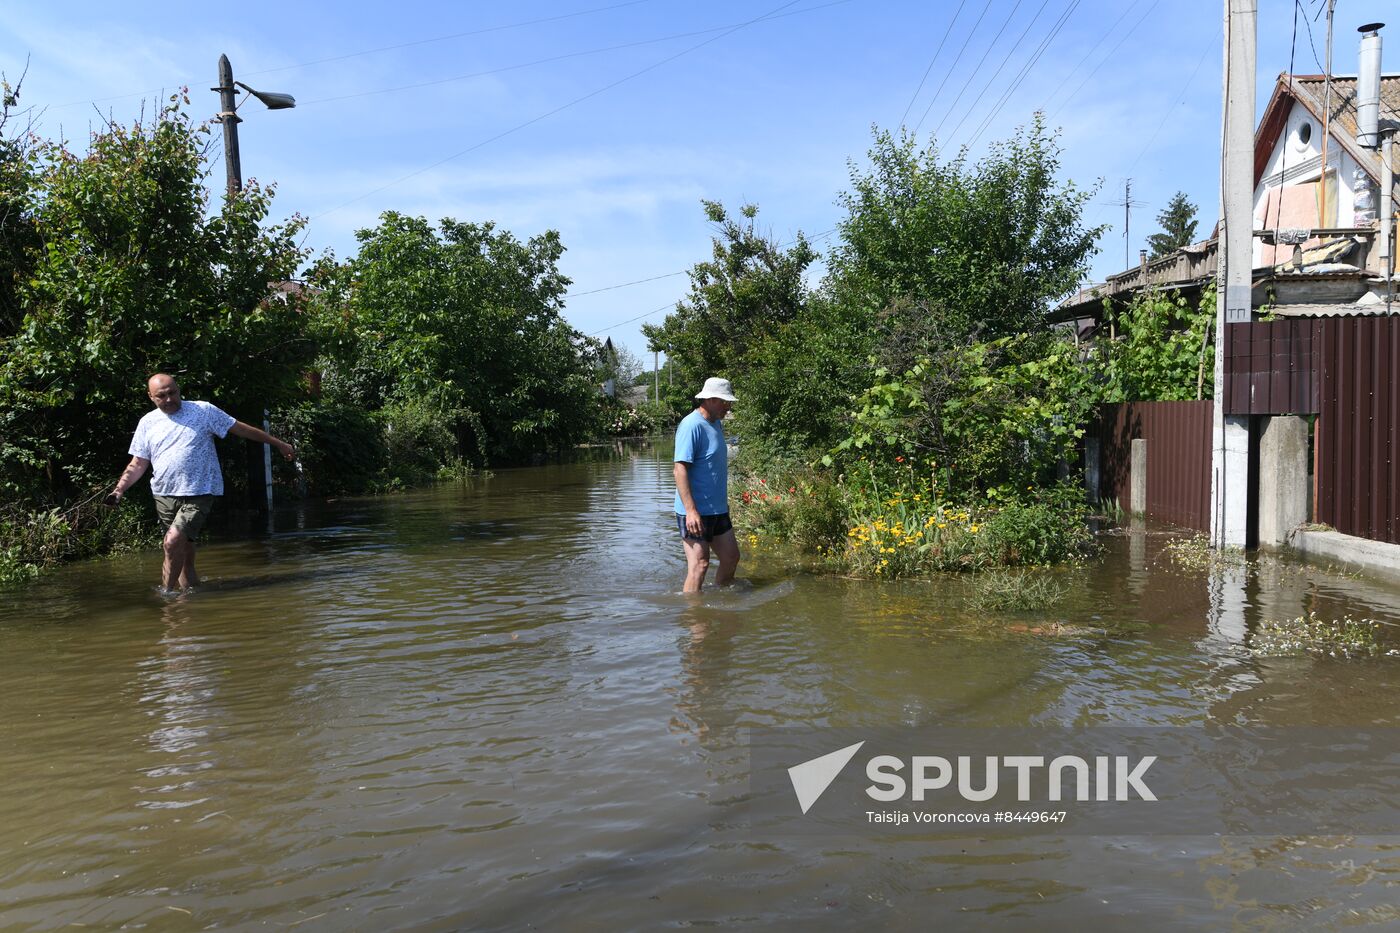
<point>177,439</point>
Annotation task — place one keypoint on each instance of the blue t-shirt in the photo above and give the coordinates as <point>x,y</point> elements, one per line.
<point>700,443</point>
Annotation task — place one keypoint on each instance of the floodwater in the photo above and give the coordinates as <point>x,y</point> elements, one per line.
<point>486,706</point>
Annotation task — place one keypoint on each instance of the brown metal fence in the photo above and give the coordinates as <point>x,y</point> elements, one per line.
<point>1178,458</point>
<point>1358,483</point>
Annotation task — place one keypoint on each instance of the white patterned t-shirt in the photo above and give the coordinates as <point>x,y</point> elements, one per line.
<point>181,449</point>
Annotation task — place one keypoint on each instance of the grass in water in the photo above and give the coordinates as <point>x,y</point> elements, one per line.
<point>1016,590</point>
<point>1310,635</point>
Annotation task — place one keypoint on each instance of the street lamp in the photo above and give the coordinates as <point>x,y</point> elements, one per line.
<point>228,116</point>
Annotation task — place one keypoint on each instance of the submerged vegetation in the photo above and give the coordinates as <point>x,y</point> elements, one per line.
<point>1311,635</point>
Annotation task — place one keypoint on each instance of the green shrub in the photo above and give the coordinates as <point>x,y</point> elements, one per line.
<point>33,540</point>
<point>1048,527</point>
<point>340,447</point>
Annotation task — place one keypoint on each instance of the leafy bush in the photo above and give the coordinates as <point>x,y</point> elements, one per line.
<point>623,420</point>
<point>340,447</point>
<point>32,541</point>
<point>1048,526</point>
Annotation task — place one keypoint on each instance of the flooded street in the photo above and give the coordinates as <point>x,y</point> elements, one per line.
<point>487,706</point>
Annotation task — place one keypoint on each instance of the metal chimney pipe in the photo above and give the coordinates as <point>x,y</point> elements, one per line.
<point>1368,86</point>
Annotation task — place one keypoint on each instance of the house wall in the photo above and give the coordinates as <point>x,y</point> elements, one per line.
<point>1294,163</point>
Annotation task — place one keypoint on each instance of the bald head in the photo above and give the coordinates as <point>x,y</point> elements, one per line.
<point>164,391</point>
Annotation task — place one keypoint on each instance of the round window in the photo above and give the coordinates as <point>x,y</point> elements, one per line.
<point>1302,135</point>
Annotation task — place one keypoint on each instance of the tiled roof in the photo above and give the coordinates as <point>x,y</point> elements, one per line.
<point>1344,97</point>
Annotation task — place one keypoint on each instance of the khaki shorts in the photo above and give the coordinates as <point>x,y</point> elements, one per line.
<point>186,514</point>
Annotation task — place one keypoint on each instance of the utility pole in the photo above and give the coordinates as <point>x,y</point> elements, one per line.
<point>1127,203</point>
<point>1322,214</point>
<point>233,171</point>
<point>1229,486</point>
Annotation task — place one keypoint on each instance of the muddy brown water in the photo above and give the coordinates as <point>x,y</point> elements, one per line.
<point>486,706</point>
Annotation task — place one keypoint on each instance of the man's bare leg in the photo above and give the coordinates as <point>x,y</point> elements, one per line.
<point>697,562</point>
<point>727,550</point>
<point>188,577</point>
<point>178,550</point>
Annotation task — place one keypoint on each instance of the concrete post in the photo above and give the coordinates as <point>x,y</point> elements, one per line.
<point>1137,466</point>
<point>1283,478</point>
<point>1229,486</point>
<point>1092,467</point>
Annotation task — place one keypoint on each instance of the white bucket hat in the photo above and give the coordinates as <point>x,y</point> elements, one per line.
<point>716,387</point>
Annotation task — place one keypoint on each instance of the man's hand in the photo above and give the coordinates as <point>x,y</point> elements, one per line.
<point>286,450</point>
<point>112,499</point>
<point>693,526</point>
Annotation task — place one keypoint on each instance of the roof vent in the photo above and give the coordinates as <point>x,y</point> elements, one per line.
<point>1368,86</point>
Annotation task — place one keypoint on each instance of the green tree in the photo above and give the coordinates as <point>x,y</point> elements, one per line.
<point>1161,351</point>
<point>748,288</point>
<point>133,275</point>
<point>987,246</point>
<point>1178,222</point>
<point>19,242</point>
<point>463,326</point>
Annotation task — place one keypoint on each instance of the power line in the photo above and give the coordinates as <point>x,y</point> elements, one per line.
<point>998,70</point>
<point>936,52</point>
<point>1025,71</point>
<point>564,57</point>
<point>985,7</point>
<point>976,68</point>
<point>812,239</point>
<point>384,48</point>
<point>613,327</point>
<point>608,288</point>
<point>1170,110</point>
<point>1105,59</point>
<point>1088,55</point>
<point>549,113</point>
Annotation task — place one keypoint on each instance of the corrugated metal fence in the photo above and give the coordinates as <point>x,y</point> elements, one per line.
<point>1358,484</point>
<point>1178,455</point>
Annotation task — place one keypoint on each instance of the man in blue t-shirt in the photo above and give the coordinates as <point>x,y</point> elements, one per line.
<point>702,487</point>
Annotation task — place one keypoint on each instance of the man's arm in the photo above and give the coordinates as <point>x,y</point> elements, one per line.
<point>133,472</point>
<point>692,514</point>
<point>259,436</point>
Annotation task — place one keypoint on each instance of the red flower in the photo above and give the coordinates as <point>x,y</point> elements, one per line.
<point>898,459</point>
<point>764,482</point>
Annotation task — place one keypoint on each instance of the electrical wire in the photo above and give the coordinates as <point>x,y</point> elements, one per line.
<point>1088,55</point>
<point>564,57</point>
<point>985,7</point>
<point>608,288</point>
<point>1024,72</point>
<point>349,55</point>
<point>976,68</point>
<point>904,116</point>
<point>812,239</point>
<point>1000,68</point>
<point>549,113</point>
<point>1105,59</point>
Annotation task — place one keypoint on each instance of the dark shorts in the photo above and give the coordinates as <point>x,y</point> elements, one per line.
<point>186,514</point>
<point>712,526</point>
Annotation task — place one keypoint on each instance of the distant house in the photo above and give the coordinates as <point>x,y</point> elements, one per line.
<point>1314,249</point>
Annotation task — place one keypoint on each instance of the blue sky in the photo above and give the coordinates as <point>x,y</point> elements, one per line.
<point>609,121</point>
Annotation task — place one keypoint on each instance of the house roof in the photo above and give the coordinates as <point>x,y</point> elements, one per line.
<point>1311,92</point>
